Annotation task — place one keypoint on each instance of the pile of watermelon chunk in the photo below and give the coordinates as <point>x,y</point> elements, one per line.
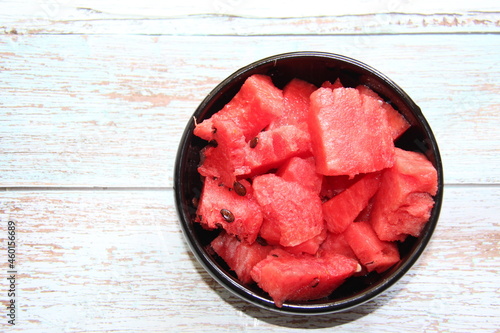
<point>307,186</point>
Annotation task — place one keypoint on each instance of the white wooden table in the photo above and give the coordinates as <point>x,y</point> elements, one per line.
<point>93,100</point>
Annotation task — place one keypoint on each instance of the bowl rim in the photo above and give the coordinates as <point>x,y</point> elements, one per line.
<point>311,308</point>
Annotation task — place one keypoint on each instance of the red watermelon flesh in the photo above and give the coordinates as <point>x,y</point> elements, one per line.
<point>296,103</point>
<point>240,256</point>
<point>373,254</point>
<point>244,209</point>
<point>334,85</point>
<point>399,209</point>
<point>334,185</point>
<point>310,246</point>
<point>288,277</point>
<point>252,109</point>
<point>295,209</point>
<point>301,171</point>
<point>336,243</point>
<point>225,156</point>
<point>350,135</point>
<point>397,122</point>
<point>270,232</point>
<point>340,211</point>
<point>275,146</point>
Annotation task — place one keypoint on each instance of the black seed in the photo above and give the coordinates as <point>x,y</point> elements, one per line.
<point>314,283</point>
<point>240,189</point>
<point>227,215</point>
<point>214,130</point>
<point>253,143</point>
<point>275,255</point>
<point>261,241</point>
<point>213,143</point>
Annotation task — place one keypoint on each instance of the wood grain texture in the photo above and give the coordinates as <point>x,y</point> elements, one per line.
<point>94,96</point>
<point>109,110</point>
<point>117,261</point>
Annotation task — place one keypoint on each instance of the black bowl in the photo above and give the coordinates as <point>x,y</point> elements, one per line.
<point>314,67</point>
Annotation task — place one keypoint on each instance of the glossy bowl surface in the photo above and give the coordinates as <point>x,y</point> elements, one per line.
<point>314,67</point>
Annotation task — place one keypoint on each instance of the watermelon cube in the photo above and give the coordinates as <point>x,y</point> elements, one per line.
<point>340,211</point>
<point>294,209</point>
<point>220,206</point>
<point>336,243</point>
<point>288,277</point>
<point>273,147</point>
<point>350,135</point>
<point>224,157</point>
<point>397,123</point>
<point>253,108</point>
<point>404,201</point>
<point>310,246</point>
<point>301,171</point>
<point>240,256</point>
<point>373,254</point>
<point>295,103</point>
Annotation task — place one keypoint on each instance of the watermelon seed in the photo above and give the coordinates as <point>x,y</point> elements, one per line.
<point>240,189</point>
<point>213,143</point>
<point>195,201</point>
<point>315,283</point>
<point>227,215</point>
<point>214,130</point>
<point>254,142</point>
<point>275,255</point>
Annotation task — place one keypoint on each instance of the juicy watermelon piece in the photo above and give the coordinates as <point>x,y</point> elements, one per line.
<point>334,185</point>
<point>288,277</point>
<point>252,109</point>
<point>275,146</point>
<point>403,203</point>
<point>296,103</point>
<point>373,254</point>
<point>350,135</point>
<point>295,209</point>
<point>244,209</point>
<point>310,246</point>
<point>334,85</point>
<point>336,244</point>
<point>240,256</point>
<point>397,122</point>
<point>340,211</point>
<point>301,171</point>
<point>270,232</point>
<point>225,156</point>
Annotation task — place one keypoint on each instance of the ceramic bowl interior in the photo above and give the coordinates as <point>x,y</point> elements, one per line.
<point>314,67</point>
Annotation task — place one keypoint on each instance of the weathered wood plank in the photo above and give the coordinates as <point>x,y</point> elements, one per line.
<point>109,110</point>
<point>116,260</point>
<point>236,17</point>
<point>365,24</point>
